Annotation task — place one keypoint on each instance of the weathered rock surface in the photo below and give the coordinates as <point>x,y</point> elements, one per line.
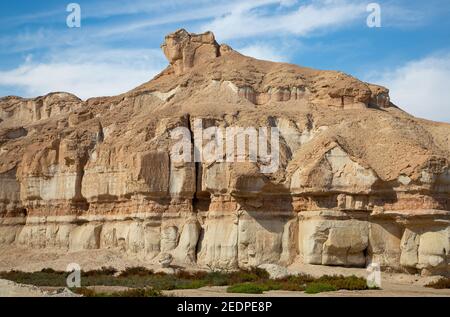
<point>359,180</point>
<point>275,271</point>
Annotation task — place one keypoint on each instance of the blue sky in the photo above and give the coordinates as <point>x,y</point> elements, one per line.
<point>117,46</point>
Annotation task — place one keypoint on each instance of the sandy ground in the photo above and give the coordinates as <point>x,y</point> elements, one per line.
<point>393,284</point>
<point>28,260</point>
<point>10,289</point>
<point>389,290</point>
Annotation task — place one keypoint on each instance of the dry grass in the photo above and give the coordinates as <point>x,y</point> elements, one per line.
<point>136,292</point>
<point>443,283</point>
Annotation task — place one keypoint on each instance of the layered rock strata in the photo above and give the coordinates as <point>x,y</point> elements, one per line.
<point>359,180</point>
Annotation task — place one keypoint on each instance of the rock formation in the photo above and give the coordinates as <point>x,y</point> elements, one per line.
<point>359,180</point>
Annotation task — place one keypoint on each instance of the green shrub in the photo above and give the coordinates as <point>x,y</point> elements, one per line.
<point>300,279</point>
<point>218,279</point>
<point>246,288</point>
<point>143,278</point>
<point>136,292</point>
<point>139,271</point>
<point>261,273</point>
<point>317,287</point>
<point>103,271</point>
<point>247,275</point>
<point>198,275</point>
<point>48,270</point>
<point>342,282</point>
<point>46,277</point>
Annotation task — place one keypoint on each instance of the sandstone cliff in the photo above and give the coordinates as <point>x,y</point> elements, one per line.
<point>359,180</point>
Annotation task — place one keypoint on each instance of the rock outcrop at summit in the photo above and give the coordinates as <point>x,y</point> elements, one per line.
<point>359,181</point>
<point>184,50</point>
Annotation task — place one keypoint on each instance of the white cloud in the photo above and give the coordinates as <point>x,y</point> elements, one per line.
<point>206,11</point>
<point>412,14</point>
<point>265,52</point>
<point>89,73</point>
<point>245,20</point>
<point>421,87</point>
<point>99,9</point>
<point>229,19</point>
<point>288,3</point>
<point>95,71</point>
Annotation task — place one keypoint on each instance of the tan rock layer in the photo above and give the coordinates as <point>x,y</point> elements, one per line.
<point>359,180</point>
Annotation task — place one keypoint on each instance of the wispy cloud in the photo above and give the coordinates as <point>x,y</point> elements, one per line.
<point>258,28</point>
<point>246,21</point>
<point>421,87</point>
<point>265,51</point>
<point>175,17</point>
<point>412,14</point>
<point>231,19</point>
<point>107,30</point>
<point>99,9</point>
<point>88,73</point>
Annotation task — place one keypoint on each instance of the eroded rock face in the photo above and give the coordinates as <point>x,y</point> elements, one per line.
<point>358,181</point>
<point>184,50</point>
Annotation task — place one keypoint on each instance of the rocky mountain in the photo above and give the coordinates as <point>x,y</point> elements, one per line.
<point>358,180</point>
